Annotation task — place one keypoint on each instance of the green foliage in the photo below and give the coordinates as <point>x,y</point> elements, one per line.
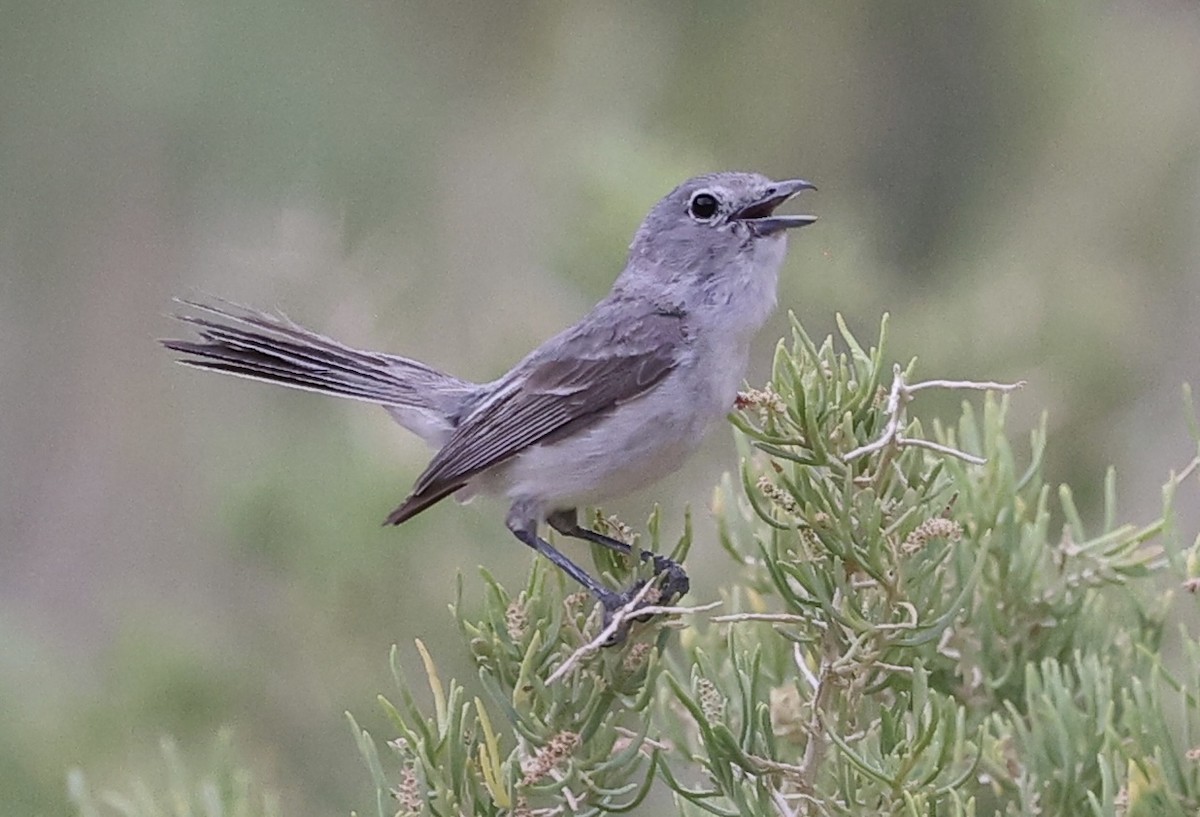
<point>580,739</point>
<point>912,625</point>
<point>225,791</point>
<point>908,636</point>
<point>455,182</point>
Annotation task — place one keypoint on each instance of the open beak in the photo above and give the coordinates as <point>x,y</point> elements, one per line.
<point>760,214</point>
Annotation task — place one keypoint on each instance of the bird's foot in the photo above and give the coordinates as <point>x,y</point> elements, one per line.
<point>673,583</point>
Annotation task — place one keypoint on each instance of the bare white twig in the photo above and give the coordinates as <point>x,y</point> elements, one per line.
<point>900,394</point>
<point>675,610</point>
<point>782,618</point>
<point>765,765</point>
<point>894,667</point>
<point>942,449</point>
<point>618,620</point>
<point>785,810</point>
<point>1182,476</point>
<point>573,800</point>
<point>977,385</point>
<point>631,609</point>
<point>802,665</point>
<point>822,683</point>
<point>649,741</point>
<point>892,430</point>
<point>911,624</point>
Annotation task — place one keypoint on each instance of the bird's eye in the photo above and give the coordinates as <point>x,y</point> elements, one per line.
<point>703,206</point>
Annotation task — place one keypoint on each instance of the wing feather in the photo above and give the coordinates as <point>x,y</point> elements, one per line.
<point>588,373</point>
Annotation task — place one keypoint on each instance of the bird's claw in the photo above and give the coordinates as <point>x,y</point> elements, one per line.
<point>673,584</point>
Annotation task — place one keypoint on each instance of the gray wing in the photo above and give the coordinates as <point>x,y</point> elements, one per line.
<point>590,371</point>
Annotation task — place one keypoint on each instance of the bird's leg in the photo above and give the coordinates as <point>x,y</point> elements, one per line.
<point>675,581</point>
<point>526,530</point>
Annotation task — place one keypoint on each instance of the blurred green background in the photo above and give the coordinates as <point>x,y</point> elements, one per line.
<point>1017,183</point>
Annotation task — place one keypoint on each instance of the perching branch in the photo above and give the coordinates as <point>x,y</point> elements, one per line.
<point>899,396</point>
<point>631,610</point>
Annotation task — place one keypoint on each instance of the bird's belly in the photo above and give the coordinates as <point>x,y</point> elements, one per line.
<point>636,444</point>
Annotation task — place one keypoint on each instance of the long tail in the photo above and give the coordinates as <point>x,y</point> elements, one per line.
<point>245,342</point>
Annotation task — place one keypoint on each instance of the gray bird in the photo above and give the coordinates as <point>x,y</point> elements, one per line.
<point>605,407</point>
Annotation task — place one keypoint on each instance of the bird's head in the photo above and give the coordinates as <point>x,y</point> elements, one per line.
<point>715,232</point>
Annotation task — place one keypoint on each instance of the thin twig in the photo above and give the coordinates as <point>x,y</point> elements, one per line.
<point>913,619</point>
<point>892,429</point>
<point>573,800</point>
<point>802,665</point>
<point>782,618</point>
<point>941,449</point>
<point>814,751</point>
<point>978,385</point>
<point>1187,470</point>
<point>765,765</point>
<point>649,741</point>
<point>673,610</point>
<point>781,804</point>
<point>608,632</point>
<point>893,667</point>
<point>631,609</point>
<point>900,394</point>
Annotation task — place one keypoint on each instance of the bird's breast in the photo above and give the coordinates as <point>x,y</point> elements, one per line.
<point>633,445</point>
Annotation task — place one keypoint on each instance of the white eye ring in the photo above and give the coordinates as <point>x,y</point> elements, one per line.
<point>704,206</point>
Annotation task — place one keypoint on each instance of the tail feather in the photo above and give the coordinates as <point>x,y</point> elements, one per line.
<point>310,346</point>
<point>244,342</point>
<point>262,367</point>
<point>365,373</point>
